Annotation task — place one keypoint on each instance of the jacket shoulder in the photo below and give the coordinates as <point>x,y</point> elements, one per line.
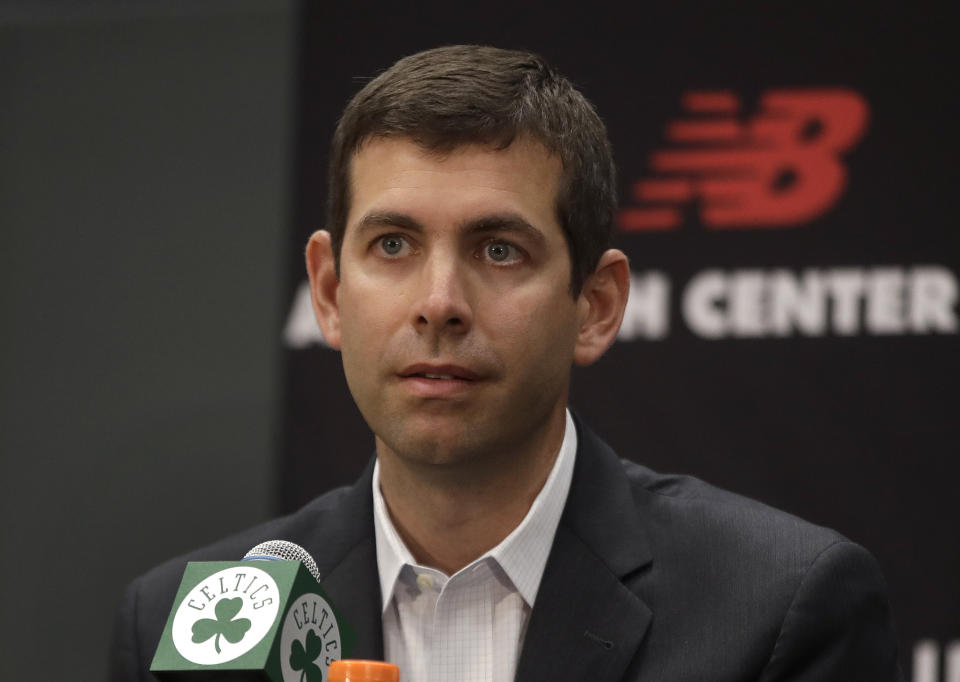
<point>799,592</point>
<point>147,600</point>
<point>704,509</point>
<point>295,527</point>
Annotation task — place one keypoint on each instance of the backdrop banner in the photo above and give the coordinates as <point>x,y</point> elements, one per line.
<point>792,333</point>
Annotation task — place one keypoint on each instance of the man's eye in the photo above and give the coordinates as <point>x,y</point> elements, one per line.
<point>392,245</point>
<point>501,252</point>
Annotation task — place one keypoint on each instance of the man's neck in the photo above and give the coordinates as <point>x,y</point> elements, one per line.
<point>449,515</point>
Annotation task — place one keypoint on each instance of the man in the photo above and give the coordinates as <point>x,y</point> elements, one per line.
<point>466,269</point>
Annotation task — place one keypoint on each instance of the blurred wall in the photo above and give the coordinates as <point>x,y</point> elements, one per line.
<point>144,167</point>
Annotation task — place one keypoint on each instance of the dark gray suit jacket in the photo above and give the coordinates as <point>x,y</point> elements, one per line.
<point>651,578</point>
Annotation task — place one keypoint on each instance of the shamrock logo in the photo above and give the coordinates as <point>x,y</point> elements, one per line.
<point>232,630</point>
<point>303,659</point>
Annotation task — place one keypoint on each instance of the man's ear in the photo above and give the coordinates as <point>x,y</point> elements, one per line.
<point>600,306</point>
<point>323,286</point>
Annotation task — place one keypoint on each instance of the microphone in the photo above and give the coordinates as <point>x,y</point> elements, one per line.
<point>261,618</point>
<point>282,550</point>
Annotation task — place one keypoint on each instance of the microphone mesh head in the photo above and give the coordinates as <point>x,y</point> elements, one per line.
<point>286,551</point>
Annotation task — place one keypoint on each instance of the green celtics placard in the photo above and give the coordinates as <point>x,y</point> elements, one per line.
<point>265,620</point>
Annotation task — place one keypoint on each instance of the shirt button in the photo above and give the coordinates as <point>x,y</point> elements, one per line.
<point>424,581</point>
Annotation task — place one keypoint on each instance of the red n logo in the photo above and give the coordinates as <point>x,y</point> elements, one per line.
<point>781,168</point>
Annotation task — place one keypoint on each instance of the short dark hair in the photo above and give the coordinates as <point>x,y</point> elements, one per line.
<point>451,96</point>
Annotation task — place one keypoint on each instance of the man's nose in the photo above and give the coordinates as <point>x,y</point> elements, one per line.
<point>443,303</point>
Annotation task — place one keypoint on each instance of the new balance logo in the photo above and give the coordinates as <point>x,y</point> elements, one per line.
<point>781,168</point>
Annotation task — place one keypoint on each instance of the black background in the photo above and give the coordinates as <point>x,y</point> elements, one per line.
<point>858,433</point>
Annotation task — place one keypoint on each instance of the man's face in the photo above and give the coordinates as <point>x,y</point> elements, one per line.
<point>457,327</point>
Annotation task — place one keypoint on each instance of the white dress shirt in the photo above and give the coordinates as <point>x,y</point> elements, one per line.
<point>468,627</point>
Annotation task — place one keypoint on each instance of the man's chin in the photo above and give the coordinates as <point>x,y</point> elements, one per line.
<point>435,442</point>
<point>433,450</point>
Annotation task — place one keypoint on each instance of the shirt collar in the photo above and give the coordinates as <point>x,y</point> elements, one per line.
<point>522,554</point>
<point>392,553</point>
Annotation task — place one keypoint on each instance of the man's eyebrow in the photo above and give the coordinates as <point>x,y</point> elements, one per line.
<point>502,223</point>
<point>377,219</point>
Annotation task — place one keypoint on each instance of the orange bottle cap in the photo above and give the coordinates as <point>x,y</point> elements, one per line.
<point>363,671</point>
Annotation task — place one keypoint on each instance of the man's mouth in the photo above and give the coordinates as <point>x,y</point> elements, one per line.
<point>445,372</point>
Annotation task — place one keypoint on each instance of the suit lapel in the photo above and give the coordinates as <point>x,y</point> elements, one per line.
<point>355,590</point>
<point>346,554</point>
<point>586,624</point>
